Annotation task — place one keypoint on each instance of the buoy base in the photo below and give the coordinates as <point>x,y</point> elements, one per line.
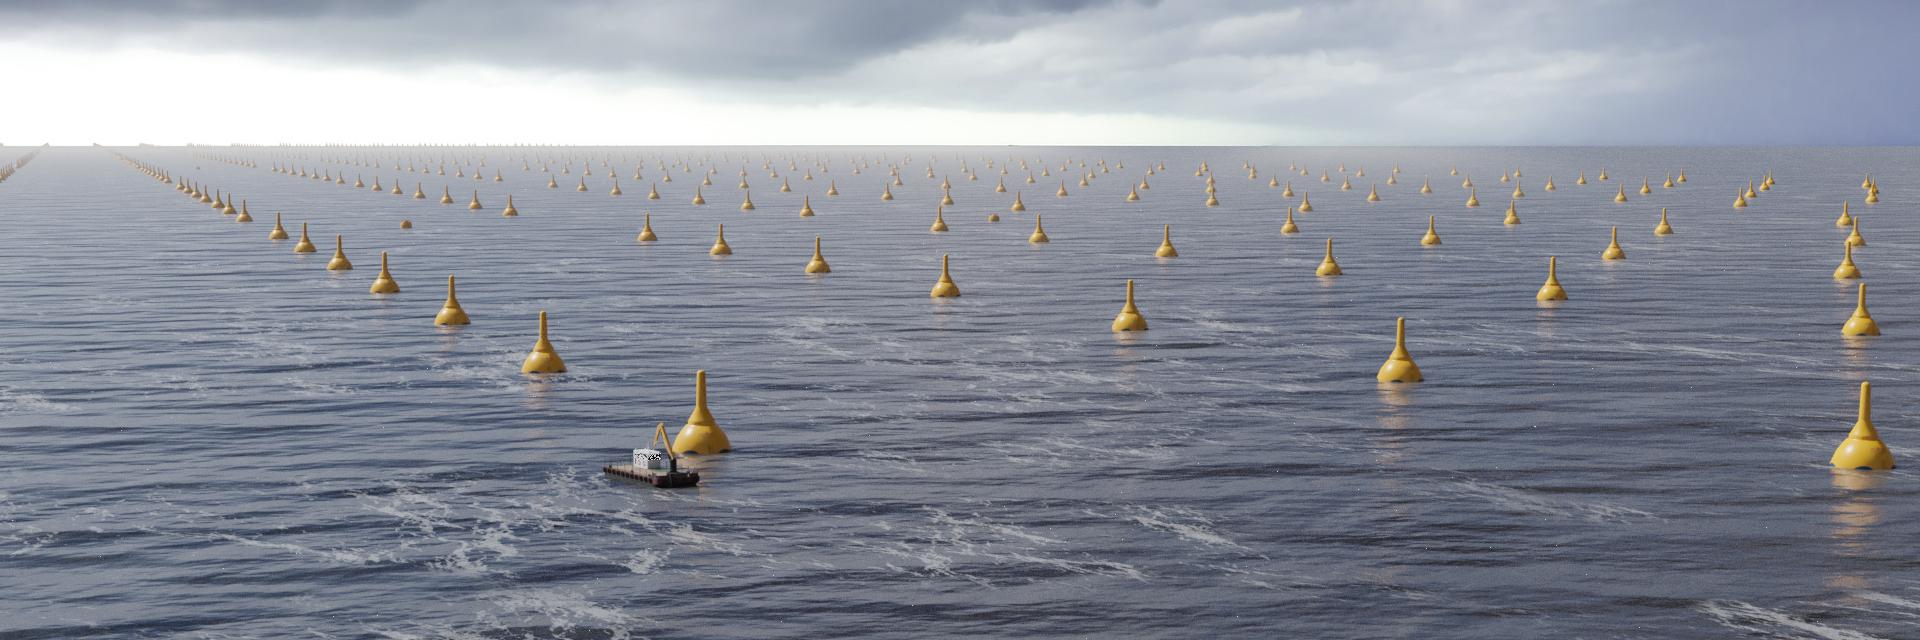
<point>543,362</point>
<point>1865,455</point>
<point>1399,371</point>
<point>1860,326</point>
<point>701,439</point>
<point>1129,322</point>
<point>451,316</point>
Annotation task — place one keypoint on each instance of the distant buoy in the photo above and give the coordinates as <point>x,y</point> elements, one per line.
<point>1063,190</point>
<point>1213,201</point>
<point>1473,198</point>
<point>1018,205</point>
<point>1614,252</point>
<point>1645,189</point>
<point>406,224</point>
<point>1739,201</point>
<point>278,232</point>
<point>583,184</point>
<point>1373,193</point>
<point>653,192</point>
<point>474,205</point>
<point>1426,186</point>
<point>1846,216</point>
<point>1855,238</point>
<point>1039,234</point>
<point>1861,323</point>
<point>1552,289</point>
<point>1433,236</point>
<point>1583,178</point>
<point>720,247</point>
<point>543,359</point>
<point>1129,318</point>
<point>945,288</point>
<point>384,283</point>
<point>552,182</point>
<point>1288,191</point>
<point>701,435</point>
<point>1327,265</point>
<point>1399,366</point>
<point>1549,186</point>
<point>887,193</point>
<point>1847,270</point>
<point>1863,450</point>
<point>993,217</point>
<point>819,262</point>
<point>1133,195</point>
<point>1663,229</point>
<point>1513,212</point>
<point>697,197</point>
<point>646,230</point>
<point>244,215</point>
<point>833,188</point>
<point>747,203</point>
<point>806,207</point>
<point>339,261</point>
<point>1166,244</point>
<point>446,195</point>
<point>1622,195</point>
<point>304,245</point>
<point>451,313</point>
<point>1290,227</point>
<point>616,189</point>
<point>420,193</point>
<point>509,212</point>
<point>939,221</point>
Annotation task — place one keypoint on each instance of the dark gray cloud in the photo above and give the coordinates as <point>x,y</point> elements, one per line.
<point>1353,71</point>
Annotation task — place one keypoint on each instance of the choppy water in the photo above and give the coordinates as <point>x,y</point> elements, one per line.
<point>205,435</point>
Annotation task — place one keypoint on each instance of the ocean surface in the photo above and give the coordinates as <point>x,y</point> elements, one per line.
<point>205,435</point>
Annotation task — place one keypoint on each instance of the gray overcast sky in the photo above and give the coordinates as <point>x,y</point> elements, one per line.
<point>981,72</point>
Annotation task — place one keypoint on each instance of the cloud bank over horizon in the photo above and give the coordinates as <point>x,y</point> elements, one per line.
<point>1368,72</point>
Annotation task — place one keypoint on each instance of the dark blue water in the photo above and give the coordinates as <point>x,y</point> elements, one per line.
<point>205,435</point>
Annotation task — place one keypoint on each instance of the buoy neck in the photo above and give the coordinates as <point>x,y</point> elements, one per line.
<point>1130,308</point>
<point>452,300</point>
<point>1400,341</point>
<point>1863,428</point>
<point>1860,307</point>
<point>701,416</point>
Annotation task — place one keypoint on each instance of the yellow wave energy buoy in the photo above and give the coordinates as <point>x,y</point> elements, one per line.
<point>1466,183</point>
<point>1663,229</point>
<point>420,193</point>
<point>1739,200</point>
<point>653,192</point>
<point>304,245</point>
<point>1212,201</point>
<point>1855,238</point>
<point>1846,216</point>
<point>1552,289</point>
<point>1614,252</point>
<point>1549,186</point>
<point>1018,205</point>
<point>833,188</point>
<point>1063,190</point>
<point>1166,244</point>
<point>1287,192</point>
<point>806,207</point>
<point>1847,270</point>
<point>1645,188</point>
<point>993,216</point>
<point>819,262</point>
<point>1327,265</point>
<point>244,216</point>
<point>1861,323</point>
<point>339,261</point>
<point>278,232</point>
<point>887,193</point>
<point>446,195</point>
<point>646,230</point>
<point>451,313</point>
<point>616,189</point>
<point>701,435</point>
<point>1621,196</point>
<point>1582,179</point>
<point>1603,175</point>
<point>1863,450</point>
<point>552,183</point>
<point>509,212</point>
<point>1433,235</point>
<point>1039,234</point>
<point>1426,186</point>
<point>1518,192</point>
<point>543,359</point>
<point>720,247</point>
<point>1133,195</point>
<point>944,287</point>
<point>939,220</point>
<point>1290,227</point>
<point>698,198</point>
<point>1751,194</point>
<point>1399,366</point>
<point>747,203</point>
<point>384,283</point>
<point>1373,193</point>
<point>1129,318</point>
<point>1513,213</point>
<point>1306,203</point>
<point>474,205</point>
<point>1669,183</point>
<point>1873,195</point>
<point>1473,198</point>
<point>583,185</point>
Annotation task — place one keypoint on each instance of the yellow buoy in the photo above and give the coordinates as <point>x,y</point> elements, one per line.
<point>1518,193</point>
<point>819,262</point>
<point>1863,450</point>
<point>1166,244</point>
<point>420,193</point>
<point>1399,366</point>
<point>1290,227</point>
<point>278,232</point>
<point>698,198</point>
<point>451,313</point>
<point>1846,216</point>
<point>552,183</point>
<point>1287,192</point>
<point>509,212</point>
<point>993,217</point>
<point>1063,190</point>
<point>1426,186</point>
<point>446,195</point>
<point>1873,195</point>
<point>1680,179</point>
<point>1433,236</point>
<point>1751,194</point>
<point>1001,186</point>
<point>646,230</point>
<point>1582,179</point>
<point>1622,195</point>
<point>1373,193</point>
<point>583,185</point>
<point>887,194</point>
<point>946,196</point>
<point>406,224</point>
<point>945,288</point>
<point>1327,266</point>
<point>806,207</point>
<point>543,359</point>
<point>833,188</point>
<point>1018,205</point>
<point>1133,195</point>
<point>339,261</point>
<point>475,204</point>
<point>1663,229</point>
<point>1855,238</point>
<point>244,216</point>
<point>747,203</point>
<point>653,192</point>
<point>1645,188</point>
<point>1614,252</point>
<point>1473,198</point>
<point>1466,183</point>
<point>1551,290</point>
<point>1669,183</point>
<point>701,435</point>
<point>384,283</point>
<point>1212,201</point>
<point>1549,185</point>
<point>939,220</point>
<point>1861,324</point>
<point>1513,212</point>
<point>1039,234</point>
<point>784,188</point>
<point>1847,270</point>
<point>1739,200</point>
<point>1129,318</point>
<point>304,245</point>
<point>1345,184</point>
<point>616,189</point>
<point>1603,175</point>
<point>720,247</point>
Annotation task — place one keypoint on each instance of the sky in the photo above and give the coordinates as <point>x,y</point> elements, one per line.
<point>972,72</point>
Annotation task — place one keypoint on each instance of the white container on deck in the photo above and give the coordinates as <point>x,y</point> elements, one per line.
<point>654,459</point>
